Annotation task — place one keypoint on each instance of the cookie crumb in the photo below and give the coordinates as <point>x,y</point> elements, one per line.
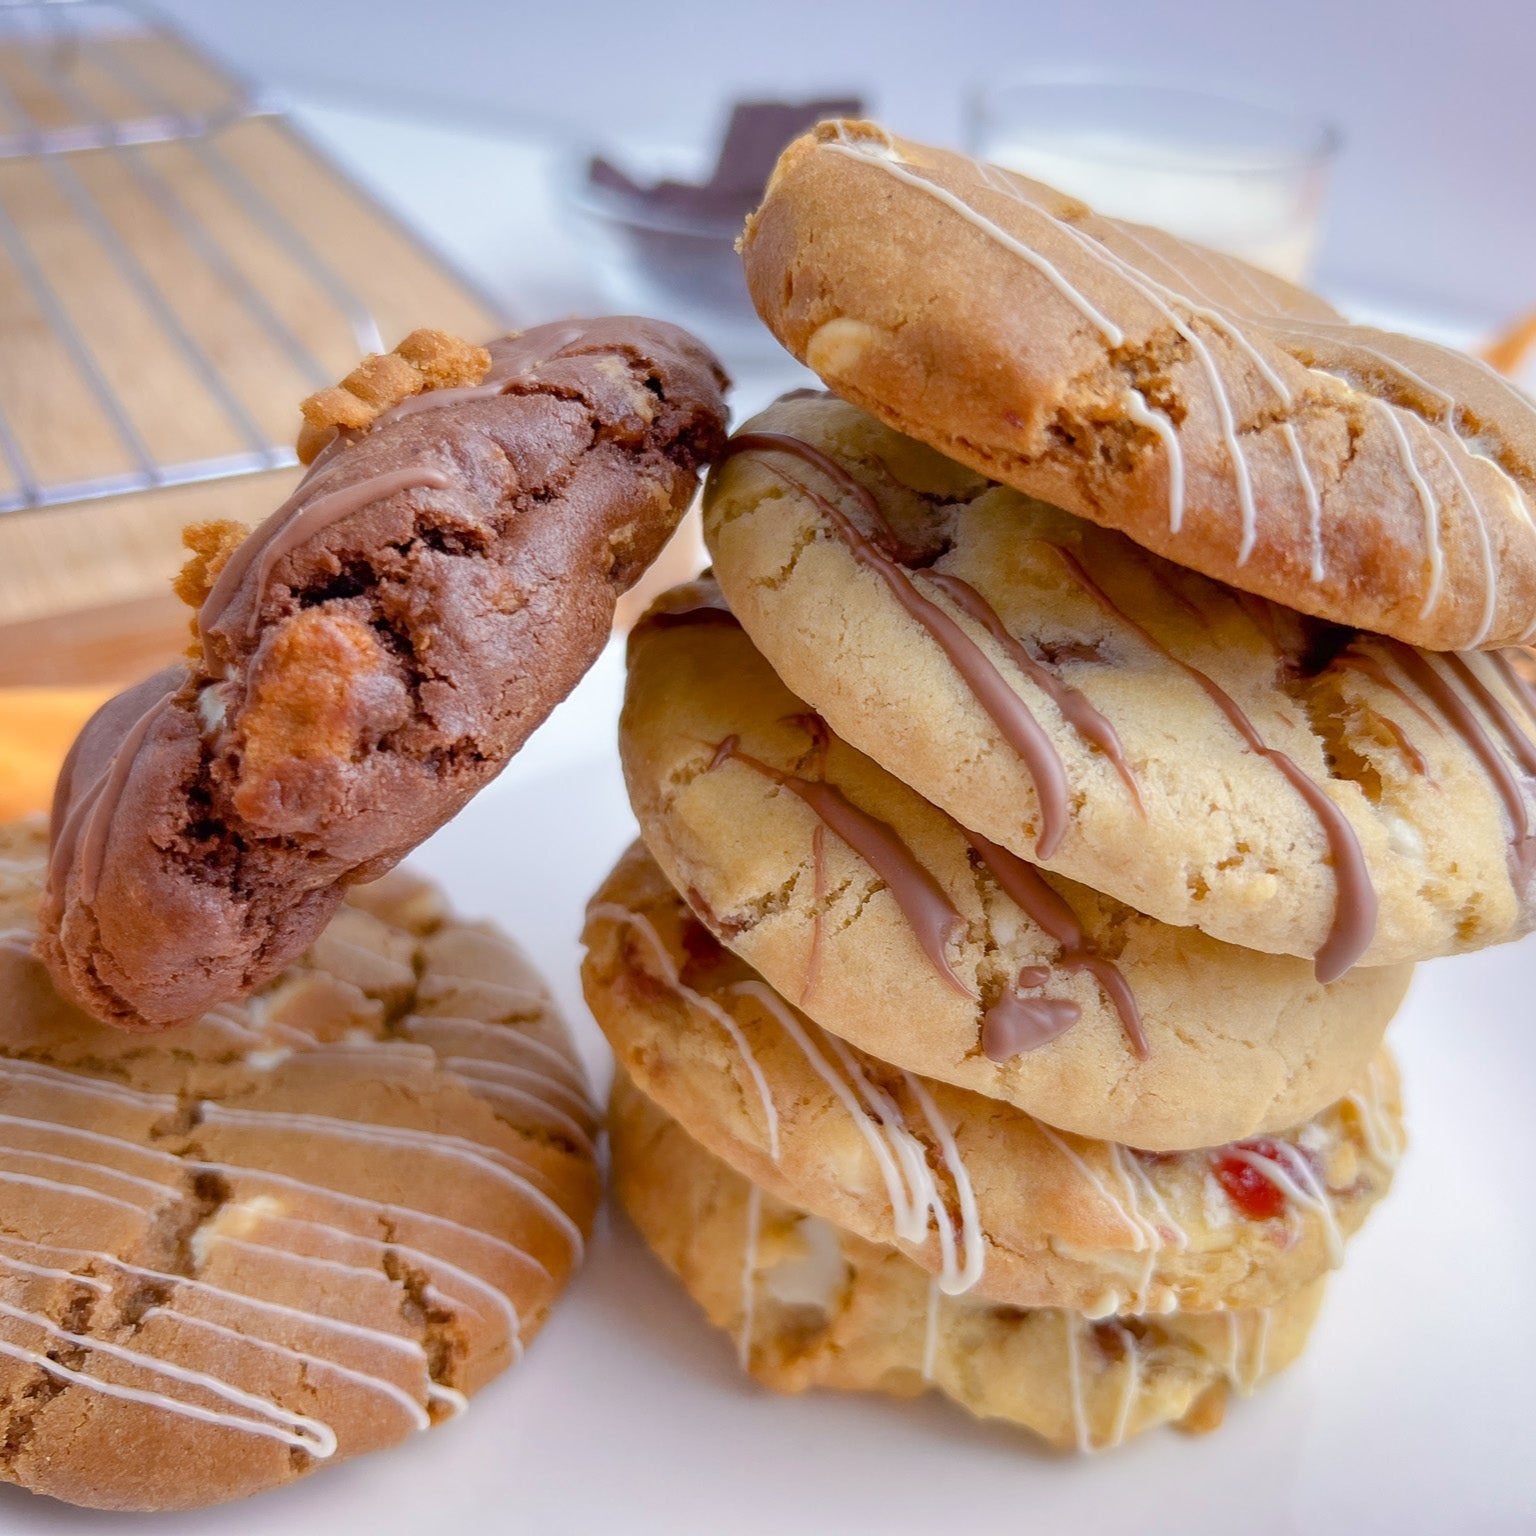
<point>211,544</point>
<point>426,359</point>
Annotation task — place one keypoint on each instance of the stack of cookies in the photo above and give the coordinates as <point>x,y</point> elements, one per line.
<point>1000,987</point>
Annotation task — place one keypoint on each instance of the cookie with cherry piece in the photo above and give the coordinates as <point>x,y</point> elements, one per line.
<point>993,1203</point>
<point>810,1305</point>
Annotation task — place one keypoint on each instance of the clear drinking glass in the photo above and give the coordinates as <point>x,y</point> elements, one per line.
<point>1239,176</point>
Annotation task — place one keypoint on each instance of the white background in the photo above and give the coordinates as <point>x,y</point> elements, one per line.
<point>1434,199</point>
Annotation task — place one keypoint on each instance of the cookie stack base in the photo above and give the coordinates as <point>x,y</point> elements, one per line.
<point>810,1305</point>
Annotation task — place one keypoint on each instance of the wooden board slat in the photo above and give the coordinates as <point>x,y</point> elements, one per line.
<point>76,580</point>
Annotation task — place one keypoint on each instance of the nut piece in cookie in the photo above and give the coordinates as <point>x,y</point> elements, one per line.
<point>370,656</point>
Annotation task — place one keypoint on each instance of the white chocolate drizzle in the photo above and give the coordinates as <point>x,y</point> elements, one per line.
<point>916,1198</point>
<point>1130,1383</point>
<point>1242,298</point>
<point>1382,1139</point>
<point>894,166</point>
<point>1139,411</point>
<point>612,912</point>
<point>502,1166</point>
<point>55,1155</point>
<point>751,1235</point>
<point>1294,1176</point>
<point>272,1421</point>
<point>931,1328</point>
<point>1257,1324</point>
<point>1081,1438</point>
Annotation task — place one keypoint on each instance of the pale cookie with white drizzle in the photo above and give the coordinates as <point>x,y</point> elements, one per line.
<point>931,949</point>
<point>1218,415</point>
<point>1202,755</point>
<point>371,656</point>
<point>298,1229</point>
<point>809,1305</point>
<point>984,1197</point>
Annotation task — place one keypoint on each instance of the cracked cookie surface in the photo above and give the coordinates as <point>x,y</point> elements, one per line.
<point>809,1305</point>
<point>989,1200</point>
<point>295,1230</point>
<point>1204,756</point>
<point>370,658</point>
<point>1218,415</point>
<point>1234,1042</point>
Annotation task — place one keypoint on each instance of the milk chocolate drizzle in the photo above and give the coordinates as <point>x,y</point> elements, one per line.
<point>816,764</point>
<point>1356,905</point>
<point>1515,680</point>
<point>934,919</point>
<point>294,523</point>
<point>85,825</point>
<point>1012,1024</point>
<point>305,513</point>
<point>1428,678</point>
<point>1006,709</point>
<point>1369,666</point>
<point>513,358</point>
<point>1519,743</point>
<point>1076,709</point>
<point>1016,1024</point>
<point>1405,745</point>
<point>1356,902</point>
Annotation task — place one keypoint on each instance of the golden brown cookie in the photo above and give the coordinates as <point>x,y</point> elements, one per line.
<point>295,1230</point>
<point>978,1193</point>
<point>928,948</point>
<point>1204,756</point>
<point>810,1305</point>
<point>370,658</point>
<point>1218,415</point>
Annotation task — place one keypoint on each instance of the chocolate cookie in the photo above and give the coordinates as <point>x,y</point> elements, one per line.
<point>1218,415</point>
<point>367,660</point>
<point>299,1228</point>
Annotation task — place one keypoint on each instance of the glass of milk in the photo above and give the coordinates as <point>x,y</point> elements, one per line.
<point>1239,176</point>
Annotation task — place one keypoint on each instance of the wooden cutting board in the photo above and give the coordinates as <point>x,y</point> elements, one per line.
<point>194,281</point>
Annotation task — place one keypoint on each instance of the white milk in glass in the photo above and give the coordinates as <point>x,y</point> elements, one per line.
<point>1265,214</point>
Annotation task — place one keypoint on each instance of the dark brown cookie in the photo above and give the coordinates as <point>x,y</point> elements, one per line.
<point>370,658</point>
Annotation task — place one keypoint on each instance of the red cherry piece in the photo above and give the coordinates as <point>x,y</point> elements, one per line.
<point>1257,1197</point>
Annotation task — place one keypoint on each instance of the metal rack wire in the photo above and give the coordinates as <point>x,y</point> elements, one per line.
<point>53,120</point>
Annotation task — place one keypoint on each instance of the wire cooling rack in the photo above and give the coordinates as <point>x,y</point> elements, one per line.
<point>170,284</point>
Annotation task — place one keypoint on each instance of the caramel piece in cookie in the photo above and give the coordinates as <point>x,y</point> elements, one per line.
<point>1069,1005</point>
<point>298,1229</point>
<point>1219,416</point>
<point>810,1305</point>
<point>990,1201</point>
<point>1204,756</point>
<point>370,657</point>
<point>425,360</point>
